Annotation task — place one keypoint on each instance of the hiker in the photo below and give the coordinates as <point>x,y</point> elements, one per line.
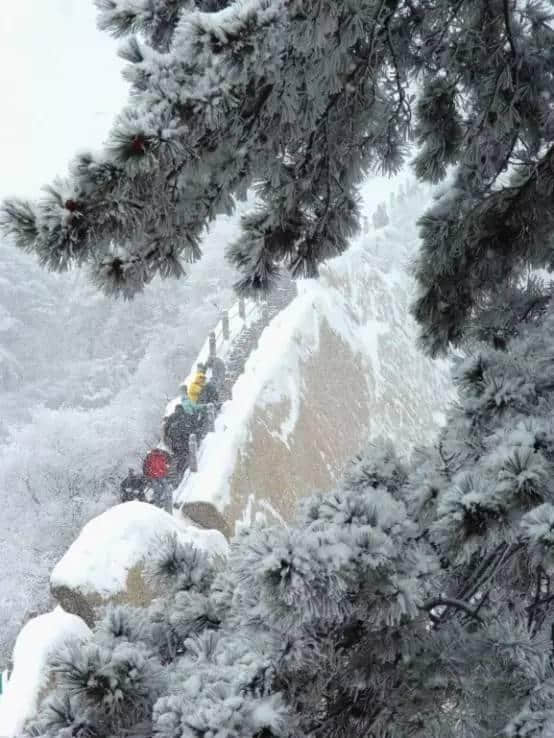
<point>132,487</point>
<point>209,395</point>
<point>192,410</point>
<point>176,431</point>
<point>197,384</point>
<point>156,469</point>
<point>185,401</point>
<point>217,367</point>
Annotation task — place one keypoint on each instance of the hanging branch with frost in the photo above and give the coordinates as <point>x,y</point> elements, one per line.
<point>301,99</point>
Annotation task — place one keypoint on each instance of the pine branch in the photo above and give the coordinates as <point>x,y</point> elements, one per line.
<point>450,602</point>
<point>508,23</point>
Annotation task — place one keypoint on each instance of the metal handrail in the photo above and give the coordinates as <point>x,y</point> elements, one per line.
<point>218,331</point>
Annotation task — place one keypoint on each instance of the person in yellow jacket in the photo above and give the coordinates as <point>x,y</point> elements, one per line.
<point>197,384</point>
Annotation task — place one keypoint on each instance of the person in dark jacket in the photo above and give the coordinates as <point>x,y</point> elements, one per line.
<point>210,395</point>
<point>132,487</point>
<point>176,431</point>
<point>217,367</point>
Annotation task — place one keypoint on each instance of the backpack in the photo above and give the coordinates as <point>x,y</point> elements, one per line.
<point>156,464</point>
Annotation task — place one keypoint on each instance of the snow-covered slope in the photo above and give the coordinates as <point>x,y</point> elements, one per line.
<point>337,367</point>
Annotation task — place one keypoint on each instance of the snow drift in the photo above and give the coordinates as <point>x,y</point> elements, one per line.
<point>38,640</point>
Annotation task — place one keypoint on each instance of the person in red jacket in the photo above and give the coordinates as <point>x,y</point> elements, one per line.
<point>156,469</point>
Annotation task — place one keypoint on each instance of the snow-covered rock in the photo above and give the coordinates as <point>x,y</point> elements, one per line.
<point>31,678</point>
<point>205,515</point>
<point>337,367</point>
<point>106,563</point>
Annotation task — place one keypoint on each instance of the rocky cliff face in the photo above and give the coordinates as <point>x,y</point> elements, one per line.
<point>337,367</point>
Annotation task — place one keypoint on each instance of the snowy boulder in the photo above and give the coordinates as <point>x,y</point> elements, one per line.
<point>107,561</point>
<point>31,679</point>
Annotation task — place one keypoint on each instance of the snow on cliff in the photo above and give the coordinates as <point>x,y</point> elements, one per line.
<point>334,369</point>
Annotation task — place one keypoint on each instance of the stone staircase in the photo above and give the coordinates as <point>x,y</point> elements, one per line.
<point>247,340</point>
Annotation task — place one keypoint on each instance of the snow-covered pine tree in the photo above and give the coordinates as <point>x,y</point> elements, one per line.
<point>303,98</point>
<point>484,501</point>
<point>414,601</point>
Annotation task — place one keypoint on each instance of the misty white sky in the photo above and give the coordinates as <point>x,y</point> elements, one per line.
<point>61,87</point>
